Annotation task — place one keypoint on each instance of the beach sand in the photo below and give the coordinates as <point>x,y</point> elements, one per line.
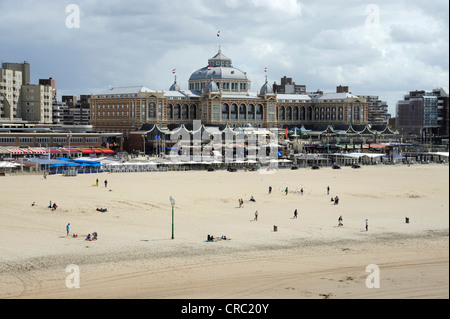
<point>308,257</point>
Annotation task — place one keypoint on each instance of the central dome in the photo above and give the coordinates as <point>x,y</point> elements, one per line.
<point>220,69</point>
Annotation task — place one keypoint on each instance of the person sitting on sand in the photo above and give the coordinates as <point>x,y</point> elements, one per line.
<point>94,235</point>
<point>340,221</point>
<point>223,237</point>
<point>33,204</point>
<point>336,200</point>
<point>89,237</point>
<point>252,199</point>
<point>54,206</point>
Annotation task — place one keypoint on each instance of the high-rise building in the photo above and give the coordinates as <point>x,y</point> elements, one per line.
<point>24,68</point>
<point>378,110</point>
<point>50,82</point>
<point>424,113</point>
<point>287,86</point>
<point>10,101</point>
<point>37,103</point>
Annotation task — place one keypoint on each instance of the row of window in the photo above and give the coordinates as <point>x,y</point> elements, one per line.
<point>183,112</point>
<point>42,140</point>
<point>323,113</point>
<point>235,86</point>
<point>243,112</point>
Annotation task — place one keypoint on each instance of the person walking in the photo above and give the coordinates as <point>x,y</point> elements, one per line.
<point>286,190</point>
<point>68,229</point>
<point>301,191</point>
<point>295,213</point>
<point>106,183</point>
<point>340,221</point>
<point>256,216</point>
<point>328,190</point>
<point>270,189</point>
<point>367,224</point>
<point>96,182</point>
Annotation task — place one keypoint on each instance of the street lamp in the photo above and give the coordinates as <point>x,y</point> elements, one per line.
<point>69,136</point>
<point>172,202</point>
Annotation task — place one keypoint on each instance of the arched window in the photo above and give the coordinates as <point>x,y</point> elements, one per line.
<point>333,113</point>
<point>152,110</point>
<point>316,113</point>
<point>251,112</point>
<point>356,113</point>
<point>349,110</point>
<point>295,113</point>
<point>225,111</point>
<point>309,113</point>
<point>234,112</point>
<point>288,113</point>
<point>193,112</point>
<point>281,114</point>
<point>242,112</point>
<point>322,113</point>
<point>169,112</point>
<point>302,113</point>
<point>341,113</point>
<point>184,112</point>
<point>327,114</point>
<point>176,112</point>
<point>259,112</point>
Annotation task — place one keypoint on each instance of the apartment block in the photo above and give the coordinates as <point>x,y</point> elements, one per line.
<point>10,100</point>
<point>37,103</point>
<point>288,86</point>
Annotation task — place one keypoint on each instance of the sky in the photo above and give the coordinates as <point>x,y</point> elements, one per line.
<point>385,48</point>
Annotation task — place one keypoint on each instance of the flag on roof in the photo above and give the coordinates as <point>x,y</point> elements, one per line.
<point>173,71</point>
<point>209,68</point>
<point>218,33</point>
<point>265,69</point>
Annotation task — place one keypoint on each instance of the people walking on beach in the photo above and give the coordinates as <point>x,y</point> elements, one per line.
<point>286,190</point>
<point>301,191</point>
<point>340,221</point>
<point>328,190</point>
<point>270,189</point>
<point>367,224</point>
<point>96,182</point>
<point>106,183</point>
<point>256,216</point>
<point>295,213</point>
<point>68,229</point>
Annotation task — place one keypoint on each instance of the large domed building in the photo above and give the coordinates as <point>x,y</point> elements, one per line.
<point>221,71</point>
<point>219,94</point>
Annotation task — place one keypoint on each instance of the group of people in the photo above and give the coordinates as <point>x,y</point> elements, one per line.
<point>106,182</point>
<point>335,200</point>
<point>210,238</point>
<point>53,207</point>
<point>89,237</point>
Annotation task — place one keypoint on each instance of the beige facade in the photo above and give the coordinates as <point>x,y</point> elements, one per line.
<point>216,97</point>
<point>37,103</point>
<point>10,101</point>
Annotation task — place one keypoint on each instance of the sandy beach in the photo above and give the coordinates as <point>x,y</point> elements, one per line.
<point>308,257</point>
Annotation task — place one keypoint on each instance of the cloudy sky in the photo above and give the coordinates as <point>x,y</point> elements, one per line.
<point>384,47</point>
